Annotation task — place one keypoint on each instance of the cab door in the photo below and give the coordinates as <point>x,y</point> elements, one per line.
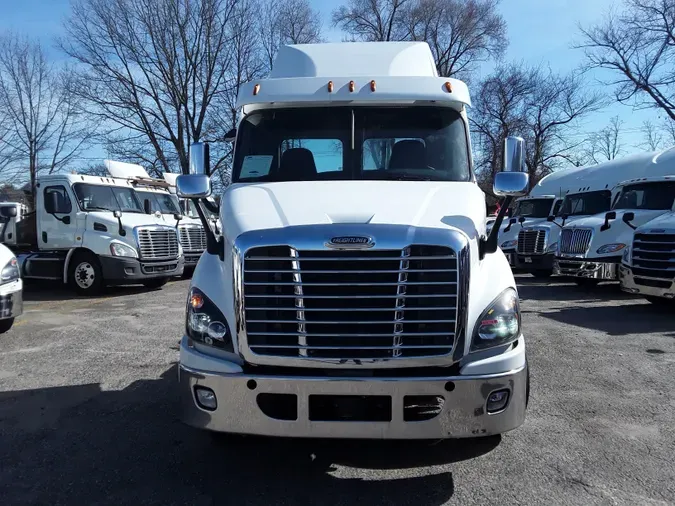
<point>56,217</point>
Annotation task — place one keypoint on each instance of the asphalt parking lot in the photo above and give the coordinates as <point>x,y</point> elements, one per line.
<point>88,415</point>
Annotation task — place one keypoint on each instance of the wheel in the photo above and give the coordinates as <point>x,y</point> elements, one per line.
<point>6,324</point>
<point>527,385</point>
<point>85,275</point>
<point>542,274</point>
<point>658,301</point>
<point>586,282</point>
<point>155,283</point>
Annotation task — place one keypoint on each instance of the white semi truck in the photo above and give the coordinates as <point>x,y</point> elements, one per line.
<point>91,231</point>
<point>11,220</point>
<point>354,292</point>
<point>11,285</point>
<point>590,248</point>
<point>648,263</point>
<point>589,192</point>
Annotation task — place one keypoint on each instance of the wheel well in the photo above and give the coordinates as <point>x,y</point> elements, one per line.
<point>74,252</point>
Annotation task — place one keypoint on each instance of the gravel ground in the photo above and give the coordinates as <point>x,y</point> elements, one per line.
<point>88,415</point>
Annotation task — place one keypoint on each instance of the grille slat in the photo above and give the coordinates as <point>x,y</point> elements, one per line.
<point>531,242</point>
<point>374,304</point>
<point>157,243</point>
<point>193,238</point>
<point>653,258</point>
<point>575,241</point>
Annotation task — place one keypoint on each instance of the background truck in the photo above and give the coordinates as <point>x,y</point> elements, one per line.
<point>10,221</point>
<point>91,231</point>
<point>11,285</point>
<point>354,291</point>
<point>589,193</point>
<point>648,264</point>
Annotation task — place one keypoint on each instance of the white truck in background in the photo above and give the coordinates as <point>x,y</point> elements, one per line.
<point>589,193</point>
<point>648,263</point>
<point>11,220</point>
<point>91,231</point>
<point>354,292</point>
<point>11,285</point>
<point>590,248</point>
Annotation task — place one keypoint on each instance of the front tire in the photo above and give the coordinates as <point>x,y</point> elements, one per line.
<point>542,274</point>
<point>6,324</point>
<point>155,283</point>
<point>85,275</point>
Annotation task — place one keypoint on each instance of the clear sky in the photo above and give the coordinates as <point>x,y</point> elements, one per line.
<point>540,31</point>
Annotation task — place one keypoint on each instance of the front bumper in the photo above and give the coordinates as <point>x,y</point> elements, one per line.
<point>510,255</point>
<point>654,287</point>
<point>242,397</point>
<point>529,263</point>
<point>192,258</point>
<point>125,270</point>
<point>604,269</point>
<point>11,300</point>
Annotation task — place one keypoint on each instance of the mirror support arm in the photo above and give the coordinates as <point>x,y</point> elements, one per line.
<point>213,245</point>
<point>489,245</point>
<point>210,206</point>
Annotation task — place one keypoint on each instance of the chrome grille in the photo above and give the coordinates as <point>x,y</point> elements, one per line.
<point>575,241</point>
<point>532,242</point>
<point>193,238</point>
<point>351,304</point>
<point>158,243</point>
<point>653,256</point>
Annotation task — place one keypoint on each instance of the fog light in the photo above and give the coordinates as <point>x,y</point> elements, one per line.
<point>497,401</point>
<point>206,398</point>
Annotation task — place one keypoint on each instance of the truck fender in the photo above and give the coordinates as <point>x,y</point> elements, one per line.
<point>70,254</point>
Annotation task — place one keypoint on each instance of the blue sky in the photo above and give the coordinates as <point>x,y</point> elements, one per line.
<point>540,31</point>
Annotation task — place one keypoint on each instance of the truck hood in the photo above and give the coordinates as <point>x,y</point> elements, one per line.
<point>247,207</point>
<point>664,222</point>
<point>129,220</point>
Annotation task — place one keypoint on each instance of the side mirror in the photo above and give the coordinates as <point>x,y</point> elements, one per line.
<point>177,216</point>
<point>51,203</point>
<point>512,221</point>
<point>609,216</point>
<point>550,218</point>
<point>199,159</point>
<point>8,212</point>
<point>146,206</point>
<point>521,219</point>
<point>193,186</point>
<point>231,135</point>
<point>627,217</point>
<point>511,184</point>
<point>117,214</point>
<point>514,154</point>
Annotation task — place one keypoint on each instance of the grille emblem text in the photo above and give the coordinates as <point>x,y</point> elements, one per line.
<point>350,242</point>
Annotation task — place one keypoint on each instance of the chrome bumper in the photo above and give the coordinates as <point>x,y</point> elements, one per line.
<point>463,414</point>
<point>11,305</point>
<point>582,268</point>
<point>657,287</point>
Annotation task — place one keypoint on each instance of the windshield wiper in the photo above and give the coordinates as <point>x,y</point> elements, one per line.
<point>96,208</point>
<point>405,177</point>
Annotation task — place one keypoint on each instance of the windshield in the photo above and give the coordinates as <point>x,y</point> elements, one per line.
<point>655,196</point>
<point>107,198</point>
<point>165,203</point>
<point>315,143</point>
<point>587,203</point>
<point>533,208</point>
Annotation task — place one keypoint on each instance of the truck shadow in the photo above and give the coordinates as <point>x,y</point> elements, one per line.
<point>80,444</point>
<point>46,291</point>
<point>562,289</point>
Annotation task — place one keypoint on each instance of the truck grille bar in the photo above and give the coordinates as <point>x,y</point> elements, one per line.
<point>157,243</point>
<point>532,242</point>
<point>350,305</point>
<point>654,259</point>
<point>575,241</point>
<point>193,238</point>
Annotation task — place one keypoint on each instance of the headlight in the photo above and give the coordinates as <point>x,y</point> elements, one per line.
<point>120,249</point>
<point>509,244</point>
<point>610,248</point>
<point>10,272</point>
<point>205,323</point>
<point>500,322</point>
<point>626,258</point>
<point>552,248</point>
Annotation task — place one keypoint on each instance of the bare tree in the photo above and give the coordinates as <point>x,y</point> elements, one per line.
<point>44,127</point>
<point>152,69</point>
<point>374,20</point>
<point>606,145</point>
<point>652,138</point>
<point>637,46</point>
<point>539,105</point>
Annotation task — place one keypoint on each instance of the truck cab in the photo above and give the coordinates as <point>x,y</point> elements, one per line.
<point>591,248</point>
<point>92,231</point>
<point>10,221</point>
<point>354,292</point>
<point>648,262</point>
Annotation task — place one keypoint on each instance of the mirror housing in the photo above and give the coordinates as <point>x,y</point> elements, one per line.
<point>146,206</point>
<point>521,219</point>
<point>511,184</point>
<point>199,159</point>
<point>117,214</point>
<point>550,218</point>
<point>51,203</point>
<point>177,216</point>
<point>231,135</point>
<point>514,154</point>
<point>627,217</point>
<point>8,212</point>
<point>193,186</point>
<point>611,215</point>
